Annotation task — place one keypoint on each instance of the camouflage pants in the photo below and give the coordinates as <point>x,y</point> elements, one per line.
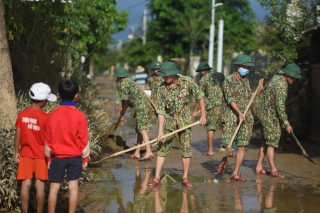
<point>214,118</point>
<point>271,129</point>
<point>145,119</point>
<point>243,135</point>
<point>185,138</point>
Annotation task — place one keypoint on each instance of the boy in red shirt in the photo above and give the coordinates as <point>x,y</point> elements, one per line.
<point>30,135</point>
<point>67,144</point>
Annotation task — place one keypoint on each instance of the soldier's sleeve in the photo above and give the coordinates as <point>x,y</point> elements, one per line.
<point>280,99</point>
<point>202,87</point>
<point>124,90</point>
<point>227,91</point>
<point>195,90</point>
<point>160,103</point>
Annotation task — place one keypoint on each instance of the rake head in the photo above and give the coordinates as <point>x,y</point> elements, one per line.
<point>224,151</point>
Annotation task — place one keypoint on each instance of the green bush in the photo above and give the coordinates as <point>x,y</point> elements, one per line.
<point>8,167</point>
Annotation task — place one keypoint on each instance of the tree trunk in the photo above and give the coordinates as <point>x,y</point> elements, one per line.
<point>8,106</point>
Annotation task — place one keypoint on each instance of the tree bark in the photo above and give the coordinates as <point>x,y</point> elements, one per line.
<point>8,106</point>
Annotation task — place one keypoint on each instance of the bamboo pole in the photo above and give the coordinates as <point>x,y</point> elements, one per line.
<point>152,141</point>
<point>228,149</point>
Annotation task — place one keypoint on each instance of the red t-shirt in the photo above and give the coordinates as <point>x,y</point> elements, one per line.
<point>32,124</point>
<point>67,133</point>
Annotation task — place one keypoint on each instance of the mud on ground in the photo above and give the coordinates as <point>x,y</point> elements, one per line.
<point>111,186</point>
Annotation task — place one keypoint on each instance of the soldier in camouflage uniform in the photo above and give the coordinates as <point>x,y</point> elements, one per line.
<point>272,115</point>
<point>154,81</point>
<point>133,96</point>
<point>293,110</point>
<point>211,85</point>
<point>237,94</point>
<point>174,113</point>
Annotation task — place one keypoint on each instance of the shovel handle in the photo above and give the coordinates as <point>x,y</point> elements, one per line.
<point>117,124</point>
<point>152,141</point>
<point>245,112</point>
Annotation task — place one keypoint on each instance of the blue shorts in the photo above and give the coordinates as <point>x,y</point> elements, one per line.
<point>59,165</point>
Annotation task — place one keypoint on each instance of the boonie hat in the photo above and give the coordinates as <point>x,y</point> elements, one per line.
<point>121,72</point>
<point>203,66</point>
<point>155,65</point>
<point>245,60</point>
<point>168,68</point>
<point>40,91</point>
<point>292,69</point>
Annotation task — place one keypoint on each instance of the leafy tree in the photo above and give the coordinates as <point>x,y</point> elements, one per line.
<point>138,54</point>
<point>89,25</point>
<point>181,27</point>
<point>282,34</point>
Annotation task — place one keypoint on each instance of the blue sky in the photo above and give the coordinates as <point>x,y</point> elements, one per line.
<point>136,7</point>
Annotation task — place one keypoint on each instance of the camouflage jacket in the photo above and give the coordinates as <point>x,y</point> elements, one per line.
<point>154,84</point>
<point>131,92</point>
<point>173,103</point>
<point>236,89</point>
<point>211,85</point>
<point>274,99</point>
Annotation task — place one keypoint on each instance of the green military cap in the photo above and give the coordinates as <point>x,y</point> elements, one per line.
<point>155,65</point>
<point>167,69</point>
<point>203,66</point>
<point>292,70</point>
<point>121,72</point>
<point>244,60</point>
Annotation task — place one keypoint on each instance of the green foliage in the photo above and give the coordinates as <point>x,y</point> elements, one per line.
<point>8,184</point>
<point>46,37</point>
<point>33,34</point>
<point>89,24</point>
<point>188,22</point>
<point>282,34</point>
<point>137,54</point>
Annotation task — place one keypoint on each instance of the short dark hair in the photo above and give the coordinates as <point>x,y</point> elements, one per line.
<point>68,89</point>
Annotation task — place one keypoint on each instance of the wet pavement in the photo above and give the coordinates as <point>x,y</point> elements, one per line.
<point>121,183</point>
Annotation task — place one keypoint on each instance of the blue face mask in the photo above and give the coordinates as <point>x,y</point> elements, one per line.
<point>243,72</point>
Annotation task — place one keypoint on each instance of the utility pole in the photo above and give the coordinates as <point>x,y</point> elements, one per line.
<point>220,46</point>
<point>144,27</point>
<point>211,38</point>
<point>120,45</point>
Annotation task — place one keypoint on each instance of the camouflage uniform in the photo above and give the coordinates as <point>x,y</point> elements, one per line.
<point>137,100</point>
<point>211,85</point>
<point>154,84</point>
<point>237,89</point>
<point>173,103</point>
<point>272,112</point>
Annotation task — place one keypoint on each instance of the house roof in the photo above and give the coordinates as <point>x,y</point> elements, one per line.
<point>311,30</point>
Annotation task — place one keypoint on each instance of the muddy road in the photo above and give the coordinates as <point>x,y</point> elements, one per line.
<point>121,183</point>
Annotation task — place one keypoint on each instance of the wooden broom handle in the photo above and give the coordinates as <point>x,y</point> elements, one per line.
<point>245,112</point>
<point>154,140</point>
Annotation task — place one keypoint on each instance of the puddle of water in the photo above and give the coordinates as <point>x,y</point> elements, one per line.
<point>123,188</point>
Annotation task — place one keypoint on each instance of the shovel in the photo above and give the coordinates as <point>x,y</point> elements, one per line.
<point>223,151</point>
<point>302,149</point>
<point>152,141</point>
